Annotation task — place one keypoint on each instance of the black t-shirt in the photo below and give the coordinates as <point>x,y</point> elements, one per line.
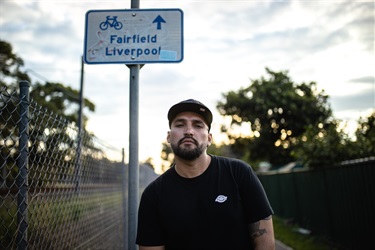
<point>211,211</point>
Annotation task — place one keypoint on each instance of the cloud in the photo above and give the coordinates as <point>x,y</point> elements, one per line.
<point>226,43</point>
<point>365,79</point>
<point>361,101</point>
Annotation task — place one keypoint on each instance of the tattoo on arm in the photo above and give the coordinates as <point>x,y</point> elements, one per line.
<point>255,230</point>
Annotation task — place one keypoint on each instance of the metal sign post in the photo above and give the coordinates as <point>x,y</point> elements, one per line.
<point>133,193</point>
<point>133,37</point>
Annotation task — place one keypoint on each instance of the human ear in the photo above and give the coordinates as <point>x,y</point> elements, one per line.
<point>168,136</point>
<point>209,139</point>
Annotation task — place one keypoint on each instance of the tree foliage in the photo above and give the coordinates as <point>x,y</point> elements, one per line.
<point>327,145</point>
<point>56,97</point>
<point>10,66</point>
<point>365,137</point>
<point>50,138</point>
<point>287,122</point>
<point>279,112</point>
<point>322,145</point>
<point>60,99</point>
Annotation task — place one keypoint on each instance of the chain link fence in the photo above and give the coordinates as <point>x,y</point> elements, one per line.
<point>58,188</point>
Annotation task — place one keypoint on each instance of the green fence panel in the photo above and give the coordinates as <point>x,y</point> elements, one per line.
<point>335,202</point>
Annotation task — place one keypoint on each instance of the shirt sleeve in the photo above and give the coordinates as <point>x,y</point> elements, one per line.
<point>149,231</point>
<point>254,198</point>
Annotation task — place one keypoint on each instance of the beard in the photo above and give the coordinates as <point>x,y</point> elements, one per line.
<point>188,153</point>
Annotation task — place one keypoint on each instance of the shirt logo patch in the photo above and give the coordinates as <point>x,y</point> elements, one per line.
<point>221,198</point>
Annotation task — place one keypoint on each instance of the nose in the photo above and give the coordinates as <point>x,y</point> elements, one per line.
<point>189,130</point>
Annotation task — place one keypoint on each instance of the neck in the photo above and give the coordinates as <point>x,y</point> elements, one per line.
<point>191,169</point>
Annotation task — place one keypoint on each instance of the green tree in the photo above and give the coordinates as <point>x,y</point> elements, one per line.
<point>323,145</point>
<point>10,67</point>
<point>279,112</point>
<point>50,140</point>
<point>327,144</point>
<point>365,137</point>
<point>166,156</point>
<point>60,99</point>
<point>54,96</point>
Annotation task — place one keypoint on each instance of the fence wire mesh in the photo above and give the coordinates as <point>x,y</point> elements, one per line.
<point>66,193</point>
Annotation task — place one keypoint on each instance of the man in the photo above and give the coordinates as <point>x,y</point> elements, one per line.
<point>203,201</point>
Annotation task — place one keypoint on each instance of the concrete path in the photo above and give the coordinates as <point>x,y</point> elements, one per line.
<point>281,246</point>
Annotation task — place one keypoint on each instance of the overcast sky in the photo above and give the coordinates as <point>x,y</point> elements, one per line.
<point>226,44</point>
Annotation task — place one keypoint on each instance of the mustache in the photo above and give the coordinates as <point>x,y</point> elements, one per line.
<point>187,137</point>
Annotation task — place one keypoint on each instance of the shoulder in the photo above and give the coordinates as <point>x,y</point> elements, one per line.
<point>155,186</point>
<point>232,163</point>
<point>239,170</point>
<point>228,159</point>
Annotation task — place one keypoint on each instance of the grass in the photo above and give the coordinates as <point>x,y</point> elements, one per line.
<point>48,215</point>
<point>287,234</point>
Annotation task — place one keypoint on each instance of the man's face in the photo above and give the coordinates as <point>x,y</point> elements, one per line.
<point>189,136</point>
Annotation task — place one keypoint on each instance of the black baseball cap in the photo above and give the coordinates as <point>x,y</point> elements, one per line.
<point>190,105</point>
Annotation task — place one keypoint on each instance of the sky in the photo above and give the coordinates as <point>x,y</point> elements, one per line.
<point>226,45</point>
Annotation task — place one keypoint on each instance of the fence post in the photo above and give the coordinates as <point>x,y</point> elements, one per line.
<point>80,133</point>
<point>22,163</point>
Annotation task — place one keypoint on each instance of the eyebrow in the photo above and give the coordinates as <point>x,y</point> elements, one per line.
<point>193,120</point>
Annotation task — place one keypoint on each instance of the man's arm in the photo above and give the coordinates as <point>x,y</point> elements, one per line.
<point>261,233</point>
<point>152,248</point>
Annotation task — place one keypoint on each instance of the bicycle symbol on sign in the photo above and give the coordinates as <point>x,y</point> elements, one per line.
<point>111,22</point>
